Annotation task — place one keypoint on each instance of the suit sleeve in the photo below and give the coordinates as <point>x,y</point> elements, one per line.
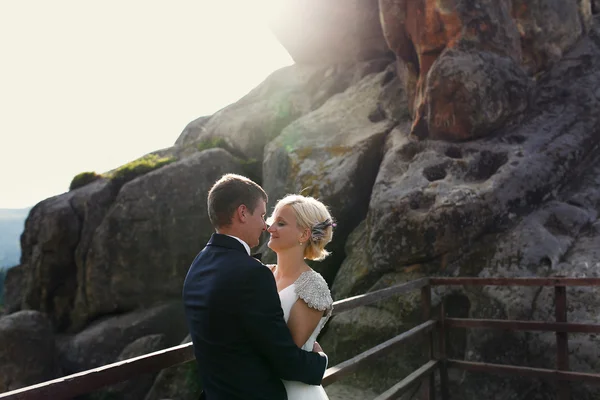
<point>262,319</point>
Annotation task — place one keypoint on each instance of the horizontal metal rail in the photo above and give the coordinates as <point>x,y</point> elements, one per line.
<point>513,325</point>
<point>515,281</point>
<point>373,297</point>
<point>347,367</point>
<point>415,377</point>
<point>93,379</point>
<point>549,374</point>
<point>90,380</point>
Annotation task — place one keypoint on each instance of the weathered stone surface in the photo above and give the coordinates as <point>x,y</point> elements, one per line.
<point>455,108</point>
<point>138,387</point>
<point>287,94</point>
<point>327,32</point>
<point>27,350</point>
<point>13,289</point>
<point>355,331</point>
<point>549,28</point>
<point>427,195</point>
<point>489,187</point>
<point>192,131</point>
<point>425,36</point>
<point>354,276</point>
<point>560,239</point>
<point>537,188</point>
<point>56,238</point>
<point>332,154</point>
<point>143,248</point>
<point>180,382</point>
<point>101,342</point>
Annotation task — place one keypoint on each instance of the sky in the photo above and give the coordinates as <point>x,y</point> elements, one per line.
<point>91,85</point>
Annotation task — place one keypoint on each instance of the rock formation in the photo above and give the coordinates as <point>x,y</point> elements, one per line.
<point>448,137</point>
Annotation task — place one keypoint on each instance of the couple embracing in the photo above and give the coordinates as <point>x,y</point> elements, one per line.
<point>253,326</point>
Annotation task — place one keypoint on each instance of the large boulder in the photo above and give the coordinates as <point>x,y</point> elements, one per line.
<point>57,236</point>
<point>527,205</point>
<point>560,239</point>
<point>104,340</point>
<point>432,198</point>
<point>245,127</point>
<point>329,32</point>
<point>507,39</point>
<point>455,108</point>
<point>13,289</point>
<point>549,28</point>
<point>137,387</point>
<point>192,131</point>
<point>332,154</point>
<point>27,350</point>
<point>142,250</point>
<point>353,332</point>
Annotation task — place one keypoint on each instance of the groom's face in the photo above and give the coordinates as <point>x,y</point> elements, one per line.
<point>256,223</point>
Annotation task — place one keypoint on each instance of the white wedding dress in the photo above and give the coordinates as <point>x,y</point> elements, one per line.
<point>312,288</point>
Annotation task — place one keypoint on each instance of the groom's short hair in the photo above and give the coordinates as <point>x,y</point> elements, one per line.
<point>228,193</point>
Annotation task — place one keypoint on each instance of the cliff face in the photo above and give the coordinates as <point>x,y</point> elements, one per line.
<point>454,138</point>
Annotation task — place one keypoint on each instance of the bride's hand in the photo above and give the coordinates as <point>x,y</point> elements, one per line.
<point>317,348</point>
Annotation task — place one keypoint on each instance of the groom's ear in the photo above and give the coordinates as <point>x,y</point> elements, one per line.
<point>241,213</point>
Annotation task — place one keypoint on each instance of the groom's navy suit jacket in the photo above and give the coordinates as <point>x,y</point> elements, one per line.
<point>242,344</point>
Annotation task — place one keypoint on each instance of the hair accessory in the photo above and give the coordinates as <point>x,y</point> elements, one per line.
<point>318,230</point>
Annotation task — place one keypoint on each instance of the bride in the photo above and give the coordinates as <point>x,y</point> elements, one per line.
<point>300,227</point>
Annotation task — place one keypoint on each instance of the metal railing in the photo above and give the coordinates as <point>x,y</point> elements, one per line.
<point>88,381</point>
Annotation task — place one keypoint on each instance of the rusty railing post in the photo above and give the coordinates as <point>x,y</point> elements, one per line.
<point>443,356</point>
<point>562,341</point>
<point>428,390</point>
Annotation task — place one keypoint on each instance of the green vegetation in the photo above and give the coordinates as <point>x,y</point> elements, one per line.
<point>83,179</point>
<point>124,173</point>
<point>211,144</point>
<point>139,167</point>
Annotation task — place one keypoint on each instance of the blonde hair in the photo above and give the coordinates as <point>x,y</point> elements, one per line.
<point>313,215</point>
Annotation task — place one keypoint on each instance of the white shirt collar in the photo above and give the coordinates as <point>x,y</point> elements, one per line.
<point>242,242</point>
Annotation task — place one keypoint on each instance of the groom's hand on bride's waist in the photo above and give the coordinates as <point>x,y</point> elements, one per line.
<point>317,349</point>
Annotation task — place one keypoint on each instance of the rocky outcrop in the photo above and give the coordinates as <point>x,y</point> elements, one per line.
<point>142,250</point>
<point>54,245</point>
<point>102,341</point>
<point>530,201</point>
<point>13,289</point>
<point>138,387</point>
<point>440,43</point>
<point>245,127</point>
<point>513,191</point>
<point>192,131</point>
<point>323,32</point>
<point>332,154</point>
<point>27,350</point>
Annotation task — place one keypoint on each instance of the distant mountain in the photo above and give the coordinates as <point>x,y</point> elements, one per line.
<point>12,223</point>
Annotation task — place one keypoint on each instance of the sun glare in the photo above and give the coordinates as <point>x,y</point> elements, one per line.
<point>89,86</point>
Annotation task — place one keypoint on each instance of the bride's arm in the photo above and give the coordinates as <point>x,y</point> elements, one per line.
<point>314,300</point>
<point>303,321</point>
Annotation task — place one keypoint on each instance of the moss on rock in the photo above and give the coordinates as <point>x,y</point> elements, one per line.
<point>83,178</point>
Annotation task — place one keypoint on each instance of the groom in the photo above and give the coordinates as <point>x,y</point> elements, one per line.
<point>242,344</point>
